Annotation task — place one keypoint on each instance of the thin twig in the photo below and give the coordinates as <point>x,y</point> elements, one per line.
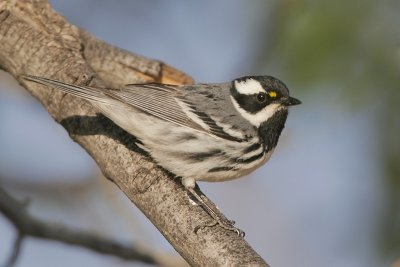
<point>16,251</point>
<point>27,225</point>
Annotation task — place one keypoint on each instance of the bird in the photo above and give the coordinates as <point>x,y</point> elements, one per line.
<point>209,132</point>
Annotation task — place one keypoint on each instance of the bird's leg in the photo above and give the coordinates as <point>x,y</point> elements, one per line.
<point>212,210</point>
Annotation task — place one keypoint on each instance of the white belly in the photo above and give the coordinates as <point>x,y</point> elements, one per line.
<point>192,155</point>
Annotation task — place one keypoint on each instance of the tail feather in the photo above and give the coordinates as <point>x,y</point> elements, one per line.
<point>84,92</point>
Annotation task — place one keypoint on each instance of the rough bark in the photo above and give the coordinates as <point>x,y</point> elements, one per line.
<point>35,40</point>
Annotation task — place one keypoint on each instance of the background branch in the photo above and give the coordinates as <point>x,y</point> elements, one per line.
<point>28,225</point>
<point>36,40</point>
<point>16,250</point>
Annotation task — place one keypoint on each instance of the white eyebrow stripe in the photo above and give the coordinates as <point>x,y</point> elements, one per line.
<point>249,87</point>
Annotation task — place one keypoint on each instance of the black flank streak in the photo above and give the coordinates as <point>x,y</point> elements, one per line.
<point>251,148</point>
<point>251,159</point>
<point>271,129</point>
<point>204,155</point>
<point>220,169</point>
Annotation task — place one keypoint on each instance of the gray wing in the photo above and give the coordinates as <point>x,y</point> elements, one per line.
<point>163,101</point>
<point>166,102</point>
<point>170,102</point>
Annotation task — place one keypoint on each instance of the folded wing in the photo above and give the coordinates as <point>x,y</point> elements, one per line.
<point>166,102</point>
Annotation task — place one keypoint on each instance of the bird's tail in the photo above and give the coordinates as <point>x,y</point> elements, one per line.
<point>85,92</point>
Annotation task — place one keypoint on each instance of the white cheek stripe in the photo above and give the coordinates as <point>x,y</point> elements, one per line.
<point>259,117</point>
<point>249,87</point>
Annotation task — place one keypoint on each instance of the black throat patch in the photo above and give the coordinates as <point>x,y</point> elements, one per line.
<point>271,129</point>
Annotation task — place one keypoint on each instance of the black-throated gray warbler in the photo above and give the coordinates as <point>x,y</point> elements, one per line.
<point>202,132</point>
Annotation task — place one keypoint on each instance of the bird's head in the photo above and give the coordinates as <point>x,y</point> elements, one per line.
<point>258,98</point>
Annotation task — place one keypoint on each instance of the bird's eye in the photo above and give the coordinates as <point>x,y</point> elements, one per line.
<point>261,97</point>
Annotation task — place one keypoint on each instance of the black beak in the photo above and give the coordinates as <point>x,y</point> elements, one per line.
<point>291,101</point>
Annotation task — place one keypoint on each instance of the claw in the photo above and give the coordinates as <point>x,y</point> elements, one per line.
<point>216,218</point>
<point>226,225</point>
<point>205,225</point>
<point>240,233</point>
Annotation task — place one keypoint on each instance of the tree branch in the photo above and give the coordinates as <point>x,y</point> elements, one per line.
<point>16,251</point>
<point>27,225</point>
<point>37,41</point>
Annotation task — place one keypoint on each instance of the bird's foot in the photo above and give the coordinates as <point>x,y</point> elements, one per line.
<point>217,217</point>
<point>227,225</point>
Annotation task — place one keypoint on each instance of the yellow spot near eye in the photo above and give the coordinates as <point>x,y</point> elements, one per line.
<point>272,93</point>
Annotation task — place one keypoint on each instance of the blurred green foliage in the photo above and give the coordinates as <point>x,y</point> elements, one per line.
<point>353,46</point>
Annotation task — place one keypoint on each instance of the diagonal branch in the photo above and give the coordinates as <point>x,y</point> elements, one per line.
<point>35,40</point>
